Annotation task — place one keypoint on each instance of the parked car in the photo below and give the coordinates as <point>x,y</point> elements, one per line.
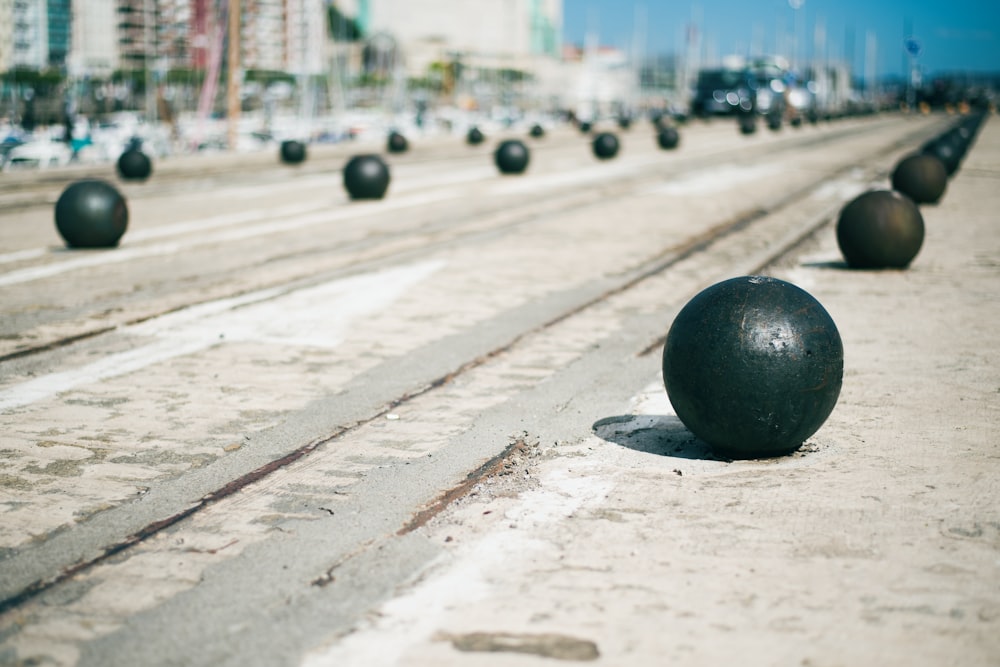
<point>722,92</point>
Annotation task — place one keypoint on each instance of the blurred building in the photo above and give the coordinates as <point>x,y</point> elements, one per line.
<point>520,35</point>
<point>6,35</point>
<point>94,43</point>
<point>29,20</point>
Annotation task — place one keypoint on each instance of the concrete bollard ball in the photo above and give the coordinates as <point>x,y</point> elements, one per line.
<point>747,124</point>
<point>880,229</point>
<point>397,143</point>
<point>366,177</point>
<point>134,165</point>
<point>537,131</point>
<point>668,138</point>
<point>293,152</point>
<point>605,146</point>
<point>753,366</point>
<point>922,178</point>
<point>91,214</point>
<point>511,157</point>
<point>475,137</point>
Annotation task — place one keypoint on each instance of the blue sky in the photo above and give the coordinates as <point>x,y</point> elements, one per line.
<point>961,35</point>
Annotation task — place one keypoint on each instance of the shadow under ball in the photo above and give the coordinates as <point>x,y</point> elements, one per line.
<point>922,178</point>
<point>134,165</point>
<point>753,366</point>
<point>511,157</point>
<point>366,177</point>
<point>880,229</point>
<point>91,214</point>
<point>605,146</point>
<point>668,138</point>
<point>293,152</point>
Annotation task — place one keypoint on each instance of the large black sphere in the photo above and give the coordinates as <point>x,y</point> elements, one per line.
<point>880,229</point>
<point>366,177</point>
<point>922,178</point>
<point>668,138</point>
<point>293,152</point>
<point>605,145</point>
<point>474,137</point>
<point>511,157</point>
<point>134,165</point>
<point>397,143</point>
<point>753,366</point>
<point>537,131</point>
<point>91,214</point>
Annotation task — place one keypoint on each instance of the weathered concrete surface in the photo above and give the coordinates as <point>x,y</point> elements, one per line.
<point>289,563</point>
<point>878,543</point>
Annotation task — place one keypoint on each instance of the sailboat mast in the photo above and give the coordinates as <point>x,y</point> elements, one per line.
<point>232,81</point>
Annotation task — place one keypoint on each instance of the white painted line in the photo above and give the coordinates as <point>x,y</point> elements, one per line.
<point>580,177</point>
<point>316,316</point>
<point>129,253</point>
<point>19,255</point>
<point>92,258</point>
<point>714,179</point>
<point>465,578</point>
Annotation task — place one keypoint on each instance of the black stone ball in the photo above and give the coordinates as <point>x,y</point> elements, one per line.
<point>880,229</point>
<point>668,138</point>
<point>624,122</point>
<point>585,127</point>
<point>773,122</point>
<point>537,131</point>
<point>747,124</point>
<point>511,156</point>
<point>605,145</point>
<point>91,213</point>
<point>397,143</point>
<point>753,366</point>
<point>475,137</point>
<point>796,121</point>
<point>293,152</point>
<point>947,152</point>
<point>366,177</point>
<point>134,165</point>
<point>922,178</point>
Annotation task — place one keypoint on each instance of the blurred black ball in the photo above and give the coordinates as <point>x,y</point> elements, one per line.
<point>293,152</point>
<point>511,156</point>
<point>922,178</point>
<point>397,143</point>
<point>668,138</point>
<point>91,214</point>
<point>134,165</point>
<point>366,177</point>
<point>605,145</point>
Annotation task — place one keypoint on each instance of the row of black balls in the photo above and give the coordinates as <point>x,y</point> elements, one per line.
<point>883,229</point>
<point>92,213</point>
<point>753,366</point>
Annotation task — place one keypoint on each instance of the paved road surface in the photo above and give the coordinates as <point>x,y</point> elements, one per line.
<point>275,427</point>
